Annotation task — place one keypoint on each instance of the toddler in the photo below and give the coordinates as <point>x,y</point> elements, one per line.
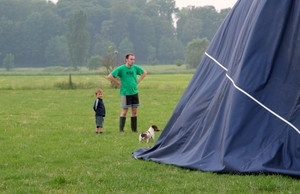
<point>99,109</point>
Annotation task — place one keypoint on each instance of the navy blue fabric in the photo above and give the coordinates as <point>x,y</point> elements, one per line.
<point>241,110</point>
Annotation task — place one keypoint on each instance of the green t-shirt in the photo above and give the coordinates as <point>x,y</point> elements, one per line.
<point>128,77</point>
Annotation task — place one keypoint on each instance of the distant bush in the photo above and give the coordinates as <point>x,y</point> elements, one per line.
<point>8,62</point>
<point>94,62</point>
<point>178,62</point>
<point>155,62</point>
<point>195,51</point>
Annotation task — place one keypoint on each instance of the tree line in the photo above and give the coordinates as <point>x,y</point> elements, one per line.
<point>39,33</point>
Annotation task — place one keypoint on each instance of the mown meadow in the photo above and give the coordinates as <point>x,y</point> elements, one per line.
<point>48,142</point>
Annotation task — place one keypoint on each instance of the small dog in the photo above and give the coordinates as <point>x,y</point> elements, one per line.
<point>147,135</point>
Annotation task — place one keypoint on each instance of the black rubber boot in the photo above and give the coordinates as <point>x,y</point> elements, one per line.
<point>134,124</point>
<point>122,123</point>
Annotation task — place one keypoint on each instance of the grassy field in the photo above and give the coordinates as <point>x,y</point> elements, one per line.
<point>58,70</point>
<point>48,143</point>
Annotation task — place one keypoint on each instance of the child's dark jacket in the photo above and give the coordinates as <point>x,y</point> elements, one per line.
<point>99,107</point>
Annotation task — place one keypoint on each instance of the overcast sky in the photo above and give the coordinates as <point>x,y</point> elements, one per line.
<point>218,4</point>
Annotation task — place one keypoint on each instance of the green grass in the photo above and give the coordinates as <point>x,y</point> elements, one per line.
<point>48,143</point>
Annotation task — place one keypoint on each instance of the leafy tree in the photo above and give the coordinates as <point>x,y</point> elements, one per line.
<point>7,36</point>
<point>151,53</point>
<point>56,53</point>
<point>162,27</point>
<point>101,46</point>
<point>144,31</point>
<point>195,51</point>
<point>191,30</point>
<point>136,14</point>
<point>9,62</point>
<point>104,3</point>
<point>181,18</point>
<point>66,8</point>
<point>178,49</point>
<point>165,49</point>
<point>78,39</point>
<point>166,8</point>
<point>208,16</point>
<point>96,14</point>
<point>32,40</point>
<point>37,30</point>
<point>178,62</point>
<point>106,30</point>
<point>138,3</point>
<point>198,22</point>
<point>97,11</point>
<point>28,29</point>
<point>189,27</point>
<point>94,62</point>
<point>150,9</point>
<point>120,14</point>
<point>170,49</point>
<point>125,47</point>
<point>19,10</point>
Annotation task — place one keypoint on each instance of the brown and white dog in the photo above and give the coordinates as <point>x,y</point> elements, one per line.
<point>147,135</point>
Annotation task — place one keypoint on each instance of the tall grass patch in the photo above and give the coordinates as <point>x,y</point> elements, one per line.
<point>48,82</point>
<point>58,70</point>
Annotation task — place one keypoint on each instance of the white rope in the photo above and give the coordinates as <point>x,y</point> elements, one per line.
<point>255,100</point>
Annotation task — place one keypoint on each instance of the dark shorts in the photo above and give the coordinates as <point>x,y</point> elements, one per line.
<point>99,121</point>
<point>130,101</point>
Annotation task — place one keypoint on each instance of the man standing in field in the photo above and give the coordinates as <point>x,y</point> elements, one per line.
<point>128,83</point>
